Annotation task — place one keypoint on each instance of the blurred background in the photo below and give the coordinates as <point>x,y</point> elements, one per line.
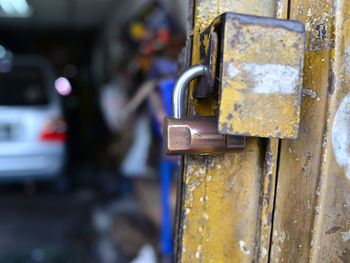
<point>84,87</point>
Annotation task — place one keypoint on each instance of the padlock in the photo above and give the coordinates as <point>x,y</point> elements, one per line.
<point>197,134</point>
<point>255,66</point>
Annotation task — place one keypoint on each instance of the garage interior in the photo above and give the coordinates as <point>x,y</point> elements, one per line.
<point>114,199</point>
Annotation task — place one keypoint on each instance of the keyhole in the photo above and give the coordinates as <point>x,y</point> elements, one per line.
<point>322,31</point>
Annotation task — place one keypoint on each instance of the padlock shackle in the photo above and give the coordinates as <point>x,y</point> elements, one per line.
<point>180,86</point>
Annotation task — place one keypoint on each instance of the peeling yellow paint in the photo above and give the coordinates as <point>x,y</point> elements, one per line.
<point>261,80</point>
<point>318,179</point>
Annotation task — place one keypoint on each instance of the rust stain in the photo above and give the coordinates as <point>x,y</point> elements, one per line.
<point>333,230</point>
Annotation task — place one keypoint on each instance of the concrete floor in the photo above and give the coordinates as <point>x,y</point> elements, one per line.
<point>29,222</point>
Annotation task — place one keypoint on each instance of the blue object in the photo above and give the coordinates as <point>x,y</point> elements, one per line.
<point>165,87</point>
<point>165,66</point>
<point>166,167</point>
<point>166,91</point>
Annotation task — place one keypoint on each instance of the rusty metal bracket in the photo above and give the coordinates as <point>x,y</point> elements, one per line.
<point>260,76</point>
<point>255,65</point>
<point>208,57</point>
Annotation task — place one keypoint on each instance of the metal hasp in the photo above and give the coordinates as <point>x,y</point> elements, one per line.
<point>260,75</point>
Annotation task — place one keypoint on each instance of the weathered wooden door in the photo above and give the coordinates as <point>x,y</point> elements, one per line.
<point>278,200</point>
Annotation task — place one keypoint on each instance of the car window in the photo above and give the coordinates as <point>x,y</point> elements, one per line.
<point>23,86</point>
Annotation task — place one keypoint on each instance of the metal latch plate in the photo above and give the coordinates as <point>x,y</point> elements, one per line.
<point>261,76</point>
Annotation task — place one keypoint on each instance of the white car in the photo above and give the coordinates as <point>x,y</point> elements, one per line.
<point>32,128</point>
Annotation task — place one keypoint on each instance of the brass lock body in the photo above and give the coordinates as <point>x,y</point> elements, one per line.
<point>198,135</point>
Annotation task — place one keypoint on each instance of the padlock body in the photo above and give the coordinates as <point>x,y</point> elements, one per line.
<point>197,135</point>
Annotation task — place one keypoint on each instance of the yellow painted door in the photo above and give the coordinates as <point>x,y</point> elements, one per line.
<point>278,200</point>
